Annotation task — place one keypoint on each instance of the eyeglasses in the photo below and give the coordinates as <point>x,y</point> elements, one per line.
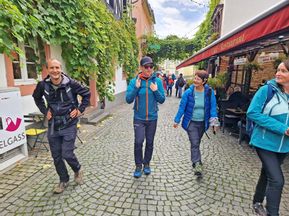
<point>148,66</point>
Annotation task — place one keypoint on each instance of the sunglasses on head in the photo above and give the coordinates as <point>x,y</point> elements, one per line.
<point>148,66</point>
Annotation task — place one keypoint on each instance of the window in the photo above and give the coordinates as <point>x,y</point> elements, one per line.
<point>24,67</point>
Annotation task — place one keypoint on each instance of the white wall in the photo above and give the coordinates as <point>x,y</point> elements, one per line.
<point>3,80</point>
<point>56,53</point>
<point>120,84</point>
<point>237,12</point>
<point>28,105</point>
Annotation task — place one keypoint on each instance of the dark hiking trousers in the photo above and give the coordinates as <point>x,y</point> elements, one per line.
<point>62,145</point>
<point>195,132</point>
<point>271,180</point>
<point>144,130</point>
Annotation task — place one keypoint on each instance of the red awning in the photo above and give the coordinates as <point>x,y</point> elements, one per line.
<point>275,22</point>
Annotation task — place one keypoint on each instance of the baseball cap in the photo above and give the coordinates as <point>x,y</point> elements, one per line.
<point>146,60</point>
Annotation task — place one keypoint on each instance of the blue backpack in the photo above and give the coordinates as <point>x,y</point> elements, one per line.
<point>249,123</point>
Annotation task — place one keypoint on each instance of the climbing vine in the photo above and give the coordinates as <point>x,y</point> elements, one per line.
<point>93,42</point>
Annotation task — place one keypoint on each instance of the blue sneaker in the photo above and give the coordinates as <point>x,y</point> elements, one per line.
<point>147,169</point>
<point>138,172</point>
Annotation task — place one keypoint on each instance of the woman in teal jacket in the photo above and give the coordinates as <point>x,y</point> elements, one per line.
<point>198,110</point>
<point>270,138</point>
<point>146,91</point>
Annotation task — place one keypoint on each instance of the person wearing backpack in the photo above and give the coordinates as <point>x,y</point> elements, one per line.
<point>146,91</point>
<point>180,84</point>
<point>62,111</point>
<point>270,137</point>
<point>198,111</point>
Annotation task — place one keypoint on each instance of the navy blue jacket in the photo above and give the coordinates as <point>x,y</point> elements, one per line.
<point>58,101</point>
<point>186,108</point>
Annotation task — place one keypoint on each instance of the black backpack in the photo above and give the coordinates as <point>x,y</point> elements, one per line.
<point>181,82</point>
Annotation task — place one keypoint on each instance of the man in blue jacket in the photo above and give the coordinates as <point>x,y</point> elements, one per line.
<point>62,111</point>
<point>146,90</point>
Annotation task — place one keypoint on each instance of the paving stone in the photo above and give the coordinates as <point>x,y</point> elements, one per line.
<point>230,174</point>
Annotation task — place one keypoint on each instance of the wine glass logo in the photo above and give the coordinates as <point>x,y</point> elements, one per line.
<point>12,126</point>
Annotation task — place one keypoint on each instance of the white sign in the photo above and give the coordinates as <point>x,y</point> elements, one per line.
<point>12,129</point>
<point>240,61</point>
<point>267,57</point>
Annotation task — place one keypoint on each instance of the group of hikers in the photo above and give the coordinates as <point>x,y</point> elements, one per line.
<point>169,82</point>
<point>196,113</point>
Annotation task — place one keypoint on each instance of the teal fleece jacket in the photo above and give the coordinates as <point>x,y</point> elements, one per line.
<point>271,124</point>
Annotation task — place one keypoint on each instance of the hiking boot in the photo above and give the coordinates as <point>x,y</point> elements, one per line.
<point>137,173</point>
<point>147,169</point>
<point>78,177</point>
<point>198,167</point>
<point>60,187</point>
<point>259,209</point>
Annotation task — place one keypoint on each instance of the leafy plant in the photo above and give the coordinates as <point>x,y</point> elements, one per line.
<point>277,61</point>
<point>218,81</point>
<point>93,42</point>
<point>253,66</point>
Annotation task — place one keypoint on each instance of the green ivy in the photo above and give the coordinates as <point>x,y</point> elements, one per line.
<point>93,42</point>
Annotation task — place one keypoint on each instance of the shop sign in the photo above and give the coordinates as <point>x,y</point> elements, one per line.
<point>267,57</point>
<point>240,61</point>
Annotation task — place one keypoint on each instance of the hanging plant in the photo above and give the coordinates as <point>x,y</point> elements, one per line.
<point>277,61</point>
<point>218,81</point>
<point>253,66</point>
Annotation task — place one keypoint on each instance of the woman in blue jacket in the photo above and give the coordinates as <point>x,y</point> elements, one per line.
<point>146,90</point>
<point>198,109</point>
<point>270,138</point>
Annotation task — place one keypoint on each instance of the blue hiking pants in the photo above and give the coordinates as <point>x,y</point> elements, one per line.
<point>144,130</point>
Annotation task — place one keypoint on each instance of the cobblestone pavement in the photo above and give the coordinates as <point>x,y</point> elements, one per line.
<point>230,175</point>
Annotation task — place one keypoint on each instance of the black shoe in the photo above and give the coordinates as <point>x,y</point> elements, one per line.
<point>259,209</point>
<point>198,168</point>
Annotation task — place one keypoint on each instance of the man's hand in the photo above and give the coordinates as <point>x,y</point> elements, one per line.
<point>75,113</point>
<point>153,86</point>
<point>137,82</point>
<point>175,125</point>
<point>48,115</point>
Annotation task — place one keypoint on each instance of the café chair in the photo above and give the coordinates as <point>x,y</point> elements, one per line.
<point>35,131</point>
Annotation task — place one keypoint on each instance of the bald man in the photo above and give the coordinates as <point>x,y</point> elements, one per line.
<point>62,110</point>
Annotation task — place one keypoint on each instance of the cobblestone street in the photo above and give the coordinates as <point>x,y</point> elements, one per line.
<point>230,175</point>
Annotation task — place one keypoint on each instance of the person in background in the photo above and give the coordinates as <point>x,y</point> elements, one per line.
<point>270,137</point>
<point>62,111</point>
<point>146,91</point>
<point>198,111</point>
<point>180,84</point>
<point>229,92</point>
<point>170,86</point>
<point>165,81</point>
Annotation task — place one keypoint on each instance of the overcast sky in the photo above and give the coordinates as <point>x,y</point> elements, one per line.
<point>178,17</point>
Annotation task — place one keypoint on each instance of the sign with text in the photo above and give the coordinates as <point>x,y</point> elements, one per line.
<point>12,129</point>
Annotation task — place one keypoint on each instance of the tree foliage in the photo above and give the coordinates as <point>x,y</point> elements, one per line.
<point>172,47</point>
<point>175,48</point>
<point>93,42</point>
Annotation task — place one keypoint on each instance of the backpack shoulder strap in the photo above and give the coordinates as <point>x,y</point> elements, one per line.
<point>270,94</point>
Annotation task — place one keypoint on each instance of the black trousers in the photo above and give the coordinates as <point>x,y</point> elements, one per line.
<point>271,180</point>
<point>62,145</point>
